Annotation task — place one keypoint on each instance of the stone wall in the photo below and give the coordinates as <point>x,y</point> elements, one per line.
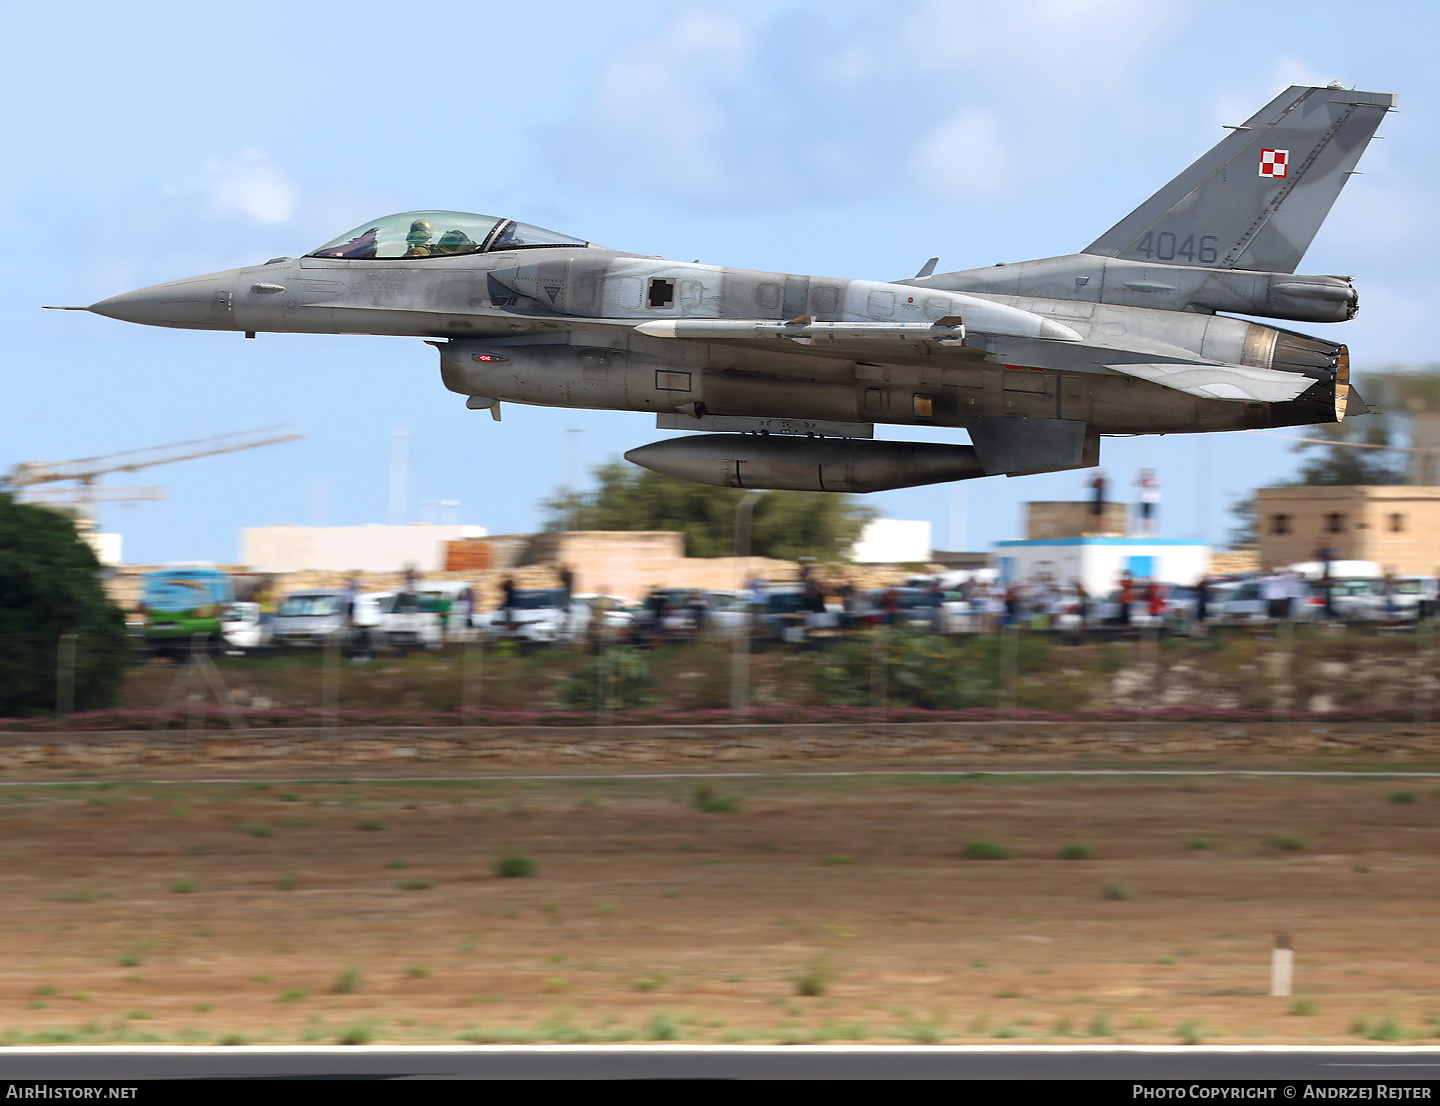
<point>955,744</point>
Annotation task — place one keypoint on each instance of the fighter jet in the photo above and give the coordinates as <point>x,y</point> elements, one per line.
<point>786,376</point>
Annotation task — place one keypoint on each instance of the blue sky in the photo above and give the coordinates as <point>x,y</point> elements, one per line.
<point>157,141</point>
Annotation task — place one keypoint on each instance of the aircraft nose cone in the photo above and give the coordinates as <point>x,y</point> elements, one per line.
<point>199,303</point>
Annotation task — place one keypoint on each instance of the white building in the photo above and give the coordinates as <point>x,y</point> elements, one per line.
<point>106,545</point>
<point>1098,562</point>
<point>892,541</point>
<point>350,548</point>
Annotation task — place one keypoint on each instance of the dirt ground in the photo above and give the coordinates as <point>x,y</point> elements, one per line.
<point>780,908</point>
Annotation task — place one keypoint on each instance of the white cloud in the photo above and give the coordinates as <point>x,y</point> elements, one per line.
<point>961,159</point>
<point>249,184</point>
<point>941,98</point>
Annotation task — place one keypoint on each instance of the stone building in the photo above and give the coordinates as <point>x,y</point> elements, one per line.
<point>1396,527</point>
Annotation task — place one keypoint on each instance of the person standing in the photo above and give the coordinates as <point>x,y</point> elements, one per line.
<point>507,600</point>
<point>1097,504</point>
<point>1127,596</point>
<point>1149,501</point>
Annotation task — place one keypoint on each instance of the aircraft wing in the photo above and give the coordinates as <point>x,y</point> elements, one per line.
<point>1222,381</point>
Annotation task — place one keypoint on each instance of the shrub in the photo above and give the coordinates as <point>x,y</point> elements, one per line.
<point>662,1027</point>
<point>1114,892</point>
<point>831,861</point>
<point>1401,796</point>
<point>651,982</point>
<point>257,831</point>
<point>1287,843</point>
<point>514,867</point>
<point>361,1033</point>
<point>1100,1026</point>
<point>414,885</point>
<point>285,883</point>
<point>1303,1008</point>
<point>621,674</point>
<point>372,824</point>
<point>1199,844</point>
<point>348,981</point>
<point>984,850</point>
<point>924,670</point>
<point>710,801</point>
<point>1189,1032</point>
<point>418,971</point>
<point>182,886</point>
<point>290,996</point>
<point>1387,1030</point>
<point>1075,852</point>
<point>813,983</point>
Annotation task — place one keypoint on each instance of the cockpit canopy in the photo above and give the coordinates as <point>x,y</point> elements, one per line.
<point>413,235</point>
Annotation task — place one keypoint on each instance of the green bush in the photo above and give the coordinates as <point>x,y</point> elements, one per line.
<point>921,669</point>
<point>710,801</point>
<point>49,586</point>
<point>1075,852</point>
<point>514,867</point>
<point>348,981</point>
<point>621,674</point>
<point>1402,796</point>
<point>984,850</point>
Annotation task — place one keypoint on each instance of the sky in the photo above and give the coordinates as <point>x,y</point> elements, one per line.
<point>158,141</point>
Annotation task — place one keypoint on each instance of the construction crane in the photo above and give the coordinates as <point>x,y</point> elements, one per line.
<point>28,477</point>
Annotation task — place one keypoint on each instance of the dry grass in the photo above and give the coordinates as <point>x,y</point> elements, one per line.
<point>648,919</point>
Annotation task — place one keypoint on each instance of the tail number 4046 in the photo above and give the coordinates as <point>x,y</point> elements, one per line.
<point>1166,246</point>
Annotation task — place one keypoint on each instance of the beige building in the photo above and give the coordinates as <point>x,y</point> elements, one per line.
<point>1397,527</point>
<point>1046,521</point>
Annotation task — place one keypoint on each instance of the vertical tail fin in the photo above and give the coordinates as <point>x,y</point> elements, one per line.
<point>1256,199</point>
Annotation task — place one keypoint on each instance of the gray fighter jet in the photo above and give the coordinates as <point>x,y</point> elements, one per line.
<point>787,375</point>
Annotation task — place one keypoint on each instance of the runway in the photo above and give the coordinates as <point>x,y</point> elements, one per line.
<point>1368,1064</point>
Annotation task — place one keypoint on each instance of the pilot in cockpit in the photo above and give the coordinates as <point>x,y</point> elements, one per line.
<point>419,239</point>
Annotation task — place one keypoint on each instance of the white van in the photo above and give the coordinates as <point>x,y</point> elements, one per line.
<point>399,620</point>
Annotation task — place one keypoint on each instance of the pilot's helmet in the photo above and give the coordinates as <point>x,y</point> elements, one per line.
<point>420,232</point>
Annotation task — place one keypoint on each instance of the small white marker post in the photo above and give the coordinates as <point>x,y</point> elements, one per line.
<point>1282,964</point>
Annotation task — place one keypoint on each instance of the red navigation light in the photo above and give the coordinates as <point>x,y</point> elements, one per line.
<point>487,357</point>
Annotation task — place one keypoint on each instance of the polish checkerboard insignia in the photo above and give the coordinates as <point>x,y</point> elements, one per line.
<point>1274,163</point>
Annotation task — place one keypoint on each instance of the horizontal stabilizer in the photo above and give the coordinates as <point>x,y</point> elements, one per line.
<point>1237,382</point>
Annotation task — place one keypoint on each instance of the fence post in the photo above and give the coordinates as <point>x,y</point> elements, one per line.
<point>1284,645</point>
<point>1010,667</point>
<point>1282,964</point>
<point>198,644</point>
<point>330,680</point>
<point>1425,662</point>
<point>471,680</point>
<point>65,679</point>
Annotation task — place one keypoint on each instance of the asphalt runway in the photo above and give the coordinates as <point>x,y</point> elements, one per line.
<point>1369,1064</point>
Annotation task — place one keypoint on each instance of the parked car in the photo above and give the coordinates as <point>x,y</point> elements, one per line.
<point>539,616</point>
<point>440,596</point>
<point>311,618</point>
<point>400,620</point>
<point>242,629</point>
<point>916,607</point>
<point>613,612</point>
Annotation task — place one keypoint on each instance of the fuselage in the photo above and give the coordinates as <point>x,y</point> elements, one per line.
<point>563,319</point>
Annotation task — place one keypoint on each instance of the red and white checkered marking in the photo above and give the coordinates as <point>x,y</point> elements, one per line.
<point>1274,163</point>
